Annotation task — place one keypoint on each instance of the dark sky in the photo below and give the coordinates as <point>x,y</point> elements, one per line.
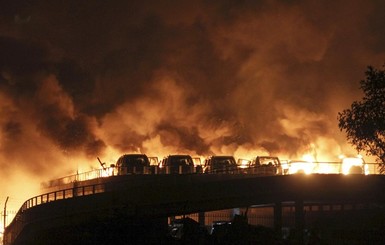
<point>81,79</point>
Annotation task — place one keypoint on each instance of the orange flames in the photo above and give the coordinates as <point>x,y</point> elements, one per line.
<point>213,81</point>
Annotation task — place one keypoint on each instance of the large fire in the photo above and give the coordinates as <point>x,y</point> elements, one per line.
<point>217,79</point>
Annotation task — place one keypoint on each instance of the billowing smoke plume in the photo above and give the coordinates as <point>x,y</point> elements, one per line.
<point>81,79</point>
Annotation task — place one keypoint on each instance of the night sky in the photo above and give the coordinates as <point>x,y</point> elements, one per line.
<point>87,79</point>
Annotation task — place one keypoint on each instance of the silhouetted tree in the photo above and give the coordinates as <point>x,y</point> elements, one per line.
<point>364,122</point>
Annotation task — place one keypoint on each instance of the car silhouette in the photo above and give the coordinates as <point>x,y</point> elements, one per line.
<point>133,164</point>
<point>177,164</point>
<point>220,164</point>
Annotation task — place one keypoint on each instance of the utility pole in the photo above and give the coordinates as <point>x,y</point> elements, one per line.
<point>5,216</point>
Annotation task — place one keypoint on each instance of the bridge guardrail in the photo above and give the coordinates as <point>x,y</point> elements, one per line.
<point>93,174</point>
<point>19,222</point>
<point>321,167</point>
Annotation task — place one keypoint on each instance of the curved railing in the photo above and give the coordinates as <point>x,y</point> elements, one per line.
<point>19,222</point>
<point>93,174</point>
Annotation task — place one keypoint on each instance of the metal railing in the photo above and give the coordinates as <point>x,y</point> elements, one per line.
<point>319,167</point>
<point>62,194</point>
<point>93,174</point>
<point>19,221</point>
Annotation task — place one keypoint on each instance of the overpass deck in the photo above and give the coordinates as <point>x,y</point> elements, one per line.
<point>159,196</point>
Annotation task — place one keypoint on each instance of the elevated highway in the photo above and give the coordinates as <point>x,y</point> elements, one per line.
<point>156,197</point>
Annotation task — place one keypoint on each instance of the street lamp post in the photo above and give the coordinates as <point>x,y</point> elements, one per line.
<point>5,216</point>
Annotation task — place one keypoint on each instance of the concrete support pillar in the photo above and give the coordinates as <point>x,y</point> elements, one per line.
<point>278,217</point>
<point>299,220</point>
<point>201,219</point>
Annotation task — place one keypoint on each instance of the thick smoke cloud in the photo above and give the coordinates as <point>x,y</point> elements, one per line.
<point>81,79</point>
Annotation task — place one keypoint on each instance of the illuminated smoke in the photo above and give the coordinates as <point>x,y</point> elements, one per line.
<point>101,78</point>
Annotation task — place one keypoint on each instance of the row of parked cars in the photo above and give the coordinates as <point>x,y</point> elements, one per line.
<point>263,165</point>
<point>178,164</point>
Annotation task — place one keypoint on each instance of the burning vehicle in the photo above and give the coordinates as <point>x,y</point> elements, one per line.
<point>354,165</point>
<point>300,167</point>
<point>177,164</point>
<point>220,164</point>
<point>133,164</point>
<point>265,165</point>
